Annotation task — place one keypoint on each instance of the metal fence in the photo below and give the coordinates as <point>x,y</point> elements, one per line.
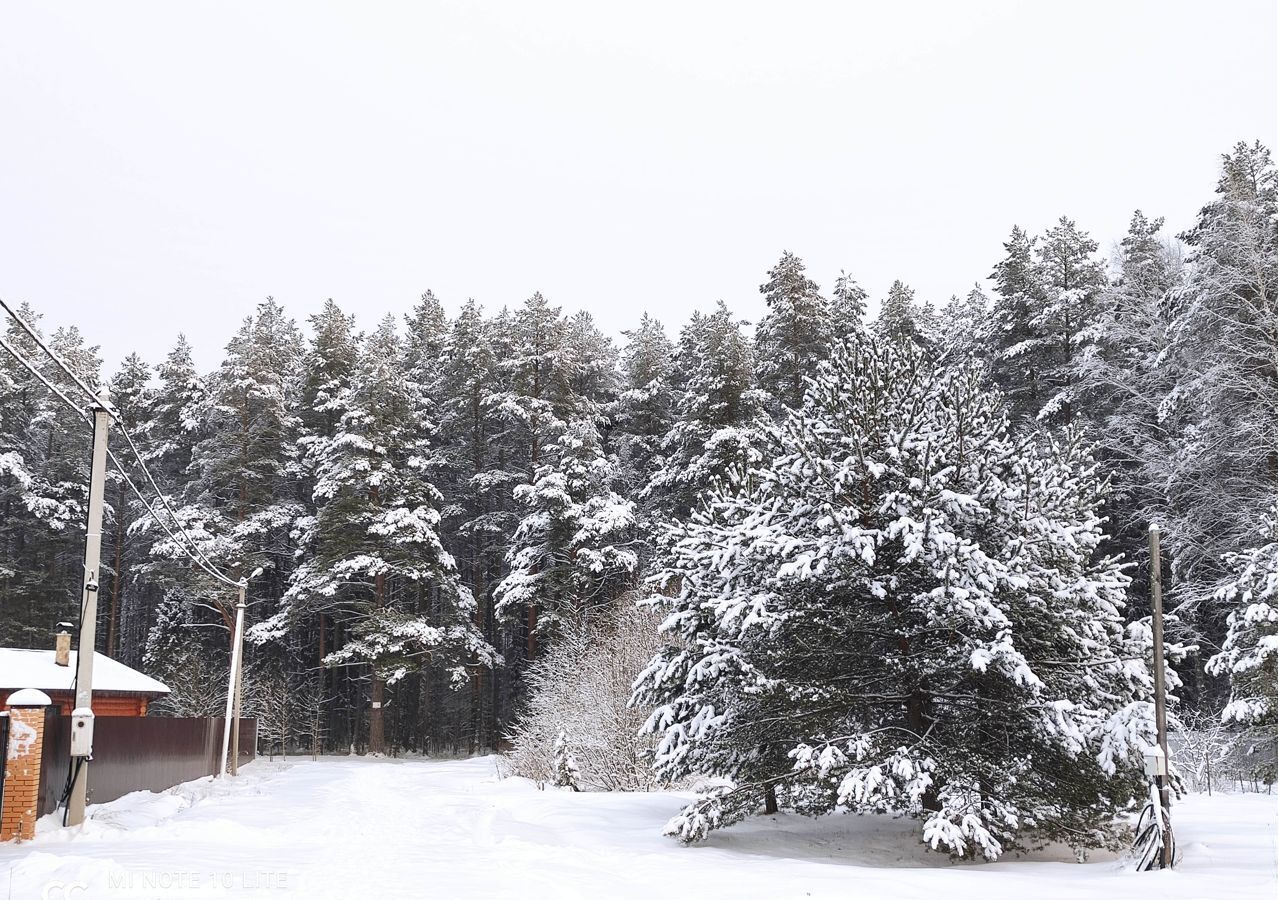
<point>137,754</point>
<point>4,752</point>
<point>1213,758</point>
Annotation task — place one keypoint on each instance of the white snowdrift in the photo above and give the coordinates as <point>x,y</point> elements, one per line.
<point>372,829</point>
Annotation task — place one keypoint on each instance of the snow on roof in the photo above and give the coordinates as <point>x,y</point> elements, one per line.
<point>38,669</point>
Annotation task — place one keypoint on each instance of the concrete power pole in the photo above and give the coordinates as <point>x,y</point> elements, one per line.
<point>89,614</point>
<point>232,720</point>
<point>1160,692</point>
<point>239,687</point>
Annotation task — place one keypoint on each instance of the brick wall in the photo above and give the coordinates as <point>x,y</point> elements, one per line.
<point>22,773</point>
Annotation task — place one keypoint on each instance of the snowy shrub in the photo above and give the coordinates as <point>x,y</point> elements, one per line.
<point>197,687</point>
<point>1205,752</point>
<point>578,707</point>
<point>903,609</point>
<point>288,709</point>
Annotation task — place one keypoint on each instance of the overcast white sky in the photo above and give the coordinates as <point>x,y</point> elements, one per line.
<point>164,166</point>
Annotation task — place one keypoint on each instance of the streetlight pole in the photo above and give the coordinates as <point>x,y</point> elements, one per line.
<point>78,798</point>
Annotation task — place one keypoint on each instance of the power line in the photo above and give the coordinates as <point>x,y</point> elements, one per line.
<point>191,551</point>
<point>114,459</point>
<point>38,374</point>
<point>164,501</point>
<point>35,336</point>
<point>197,556</point>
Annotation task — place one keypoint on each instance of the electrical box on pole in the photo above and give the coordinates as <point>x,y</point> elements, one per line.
<point>82,732</point>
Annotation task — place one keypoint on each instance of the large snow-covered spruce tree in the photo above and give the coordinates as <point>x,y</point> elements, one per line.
<point>375,546</point>
<point>903,609</point>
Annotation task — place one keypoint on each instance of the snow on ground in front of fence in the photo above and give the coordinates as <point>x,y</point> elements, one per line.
<point>370,829</point>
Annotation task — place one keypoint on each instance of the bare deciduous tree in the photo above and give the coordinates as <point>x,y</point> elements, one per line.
<point>582,688</point>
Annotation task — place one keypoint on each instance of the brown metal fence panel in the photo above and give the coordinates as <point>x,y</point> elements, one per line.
<point>53,762</point>
<point>4,755</point>
<point>138,754</point>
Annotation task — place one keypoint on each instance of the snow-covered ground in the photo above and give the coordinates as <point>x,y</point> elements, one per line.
<point>370,829</point>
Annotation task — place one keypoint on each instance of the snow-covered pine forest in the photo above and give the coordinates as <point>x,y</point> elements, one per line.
<point>901,560</point>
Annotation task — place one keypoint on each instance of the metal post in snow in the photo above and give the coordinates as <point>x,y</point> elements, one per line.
<point>239,692</point>
<point>232,705</point>
<point>1160,691</point>
<point>78,798</point>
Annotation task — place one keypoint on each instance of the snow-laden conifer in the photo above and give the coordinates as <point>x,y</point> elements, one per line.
<point>1073,281</point>
<point>847,307</point>
<point>795,334</point>
<point>644,412</point>
<point>566,772</point>
<point>573,553</point>
<point>963,324</point>
<point>904,609</point>
<point>1012,333</point>
<point>718,407</point>
<point>376,544</point>
<point>903,317</point>
<point>43,485</point>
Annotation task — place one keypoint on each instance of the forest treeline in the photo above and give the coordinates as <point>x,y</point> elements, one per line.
<point>426,507</point>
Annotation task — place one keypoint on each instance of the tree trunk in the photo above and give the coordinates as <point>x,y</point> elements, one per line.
<point>377,717</point>
<point>376,714</point>
<point>918,717</point>
<point>769,800</point>
<point>113,621</point>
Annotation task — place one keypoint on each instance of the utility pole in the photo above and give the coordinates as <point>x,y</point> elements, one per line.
<point>232,721</point>
<point>1160,693</point>
<point>239,687</point>
<point>89,609</point>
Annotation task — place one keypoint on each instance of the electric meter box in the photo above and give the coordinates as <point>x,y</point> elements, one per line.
<point>1155,762</point>
<point>81,732</point>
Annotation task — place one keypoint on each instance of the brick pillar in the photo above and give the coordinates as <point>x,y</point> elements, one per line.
<point>21,802</point>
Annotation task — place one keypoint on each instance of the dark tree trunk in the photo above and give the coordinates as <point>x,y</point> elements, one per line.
<point>376,712</point>
<point>377,717</point>
<point>113,622</point>
<point>918,705</point>
<point>769,800</point>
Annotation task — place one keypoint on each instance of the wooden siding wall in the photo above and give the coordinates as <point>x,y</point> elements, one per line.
<point>103,704</point>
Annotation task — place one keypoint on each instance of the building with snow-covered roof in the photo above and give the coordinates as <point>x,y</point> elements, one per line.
<point>118,690</point>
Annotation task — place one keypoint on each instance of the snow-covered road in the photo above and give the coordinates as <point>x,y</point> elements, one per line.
<point>371,829</point>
